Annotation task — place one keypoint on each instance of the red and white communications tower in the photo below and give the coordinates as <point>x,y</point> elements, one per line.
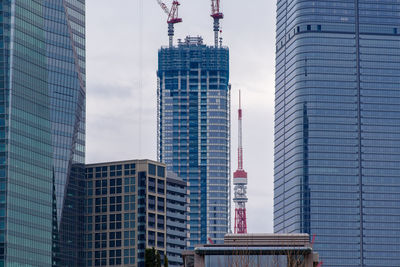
<point>240,184</point>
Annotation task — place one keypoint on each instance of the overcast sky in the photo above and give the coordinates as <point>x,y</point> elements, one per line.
<point>123,37</point>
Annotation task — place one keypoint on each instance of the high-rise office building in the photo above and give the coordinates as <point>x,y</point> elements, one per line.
<point>66,82</point>
<point>337,134</point>
<point>42,131</point>
<point>130,206</point>
<point>194,130</point>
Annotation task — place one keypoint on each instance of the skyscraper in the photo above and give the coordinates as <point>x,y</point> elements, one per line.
<point>42,130</point>
<point>337,134</point>
<point>66,82</point>
<point>194,130</point>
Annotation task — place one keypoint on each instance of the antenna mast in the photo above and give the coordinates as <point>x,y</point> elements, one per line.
<point>240,182</point>
<point>172,18</point>
<point>216,14</point>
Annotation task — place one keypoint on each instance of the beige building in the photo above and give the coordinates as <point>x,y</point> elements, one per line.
<point>125,212</point>
<point>255,250</point>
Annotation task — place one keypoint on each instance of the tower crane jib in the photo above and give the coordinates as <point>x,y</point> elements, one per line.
<point>172,18</point>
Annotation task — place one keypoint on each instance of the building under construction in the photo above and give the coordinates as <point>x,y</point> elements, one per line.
<point>194,124</point>
<point>194,130</point>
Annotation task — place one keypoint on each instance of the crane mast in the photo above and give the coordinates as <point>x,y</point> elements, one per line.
<point>240,182</point>
<point>173,18</point>
<point>216,14</point>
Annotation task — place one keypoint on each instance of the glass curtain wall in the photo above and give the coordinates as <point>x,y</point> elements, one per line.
<point>65,51</point>
<point>337,134</point>
<point>26,157</point>
<point>42,123</point>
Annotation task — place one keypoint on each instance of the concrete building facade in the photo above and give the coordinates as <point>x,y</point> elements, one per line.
<point>130,206</point>
<point>177,219</point>
<point>125,212</point>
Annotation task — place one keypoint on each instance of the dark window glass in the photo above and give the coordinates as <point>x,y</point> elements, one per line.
<point>161,171</point>
<point>152,169</point>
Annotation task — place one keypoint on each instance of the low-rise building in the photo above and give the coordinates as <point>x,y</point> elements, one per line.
<point>261,250</point>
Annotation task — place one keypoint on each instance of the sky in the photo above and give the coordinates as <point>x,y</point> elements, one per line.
<point>123,37</point>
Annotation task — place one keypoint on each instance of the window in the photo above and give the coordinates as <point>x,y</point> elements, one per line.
<point>152,185</point>
<point>115,221</point>
<point>115,257</point>
<point>319,27</point>
<point>151,238</point>
<point>152,203</point>
<point>131,253</point>
<point>160,222</point>
<point>160,204</point>
<point>152,169</point>
<point>115,203</point>
<point>129,169</point>
<point>151,220</point>
<point>308,27</point>
<point>129,238</point>
<point>101,205</point>
<point>160,186</point>
<point>161,171</point>
<point>160,240</point>
<point>115,170</point>
<point>116,186</point>
<point>101,171</point>
<point>115,239</point>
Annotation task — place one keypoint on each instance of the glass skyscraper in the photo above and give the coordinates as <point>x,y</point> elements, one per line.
<point>65,47</point>
<point>194,130</point>
<point>337,128</point>
<point>42,129</point>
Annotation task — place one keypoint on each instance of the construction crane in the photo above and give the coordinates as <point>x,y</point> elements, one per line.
<point>172,18</point>
<point>216,14</point>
